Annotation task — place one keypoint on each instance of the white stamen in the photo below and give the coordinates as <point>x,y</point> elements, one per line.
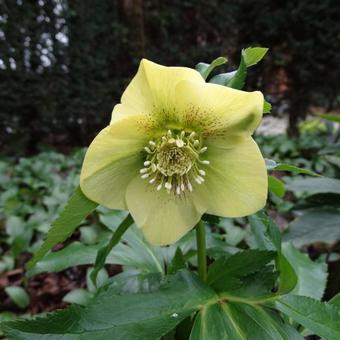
<point>173,161</point>
<point>201,172</point>
<point>179,143</point>
<point>189,186</point>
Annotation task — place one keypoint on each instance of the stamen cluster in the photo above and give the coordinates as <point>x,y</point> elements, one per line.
<point>173,161</point>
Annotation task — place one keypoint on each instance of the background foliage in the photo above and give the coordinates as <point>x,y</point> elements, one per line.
<point>63,64</point>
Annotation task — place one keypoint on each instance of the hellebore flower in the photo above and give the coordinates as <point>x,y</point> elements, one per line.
<point>176,148</point>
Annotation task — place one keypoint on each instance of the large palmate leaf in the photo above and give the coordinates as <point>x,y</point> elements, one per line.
<point>315,225</point>
<point>76,209</point>
<point>240,321</point>
<point>113,315</point>
<point>244,313</point>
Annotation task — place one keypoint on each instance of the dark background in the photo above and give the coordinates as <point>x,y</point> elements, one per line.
<point>64,64</point>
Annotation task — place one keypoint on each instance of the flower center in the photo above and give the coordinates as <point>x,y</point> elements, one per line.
<point>173,161</point>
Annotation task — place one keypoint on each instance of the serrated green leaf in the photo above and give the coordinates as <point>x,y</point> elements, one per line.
<point>321,318</point>
<point>267,235</point>
<point>330,117</point>
<point>315,225</point>
<point>178,262</point>
<point>252,55</point>
<point>295,169</point>
<point>239,78</point>
<point>335,301</point>
<point>118,316</point>
<point>223,78</point>
<point>205,69</point>
<point>265,232</point>
<point>288,277</point>
<point>222,271</point>
<point>76,209</point>
<point>311,276</point>
<point>6,316</point>
<point>276,186</point>
<point>267,107</point>
<point>257,285</point>
<point>18,295</point>
<point>104,252</point>
<point>236,79</point>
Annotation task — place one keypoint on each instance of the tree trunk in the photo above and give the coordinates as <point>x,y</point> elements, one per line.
<point>133,10</point>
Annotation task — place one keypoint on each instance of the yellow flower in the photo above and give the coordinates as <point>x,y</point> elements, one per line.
<point>176,148</point>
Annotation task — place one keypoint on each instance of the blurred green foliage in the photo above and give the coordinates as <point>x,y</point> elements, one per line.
<point>33,190</point>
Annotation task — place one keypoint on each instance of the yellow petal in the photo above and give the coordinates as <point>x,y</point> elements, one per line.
<point>112,160</point>
<point>152,90</point>
<point>236,179</point>
<point>164,218</point>
<point>218,110</point>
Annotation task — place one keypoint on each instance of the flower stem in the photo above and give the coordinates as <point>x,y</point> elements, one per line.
<point>201,251</point>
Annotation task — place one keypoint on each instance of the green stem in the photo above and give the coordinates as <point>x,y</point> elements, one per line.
<point>201,251</point>
<point>105,251</point>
